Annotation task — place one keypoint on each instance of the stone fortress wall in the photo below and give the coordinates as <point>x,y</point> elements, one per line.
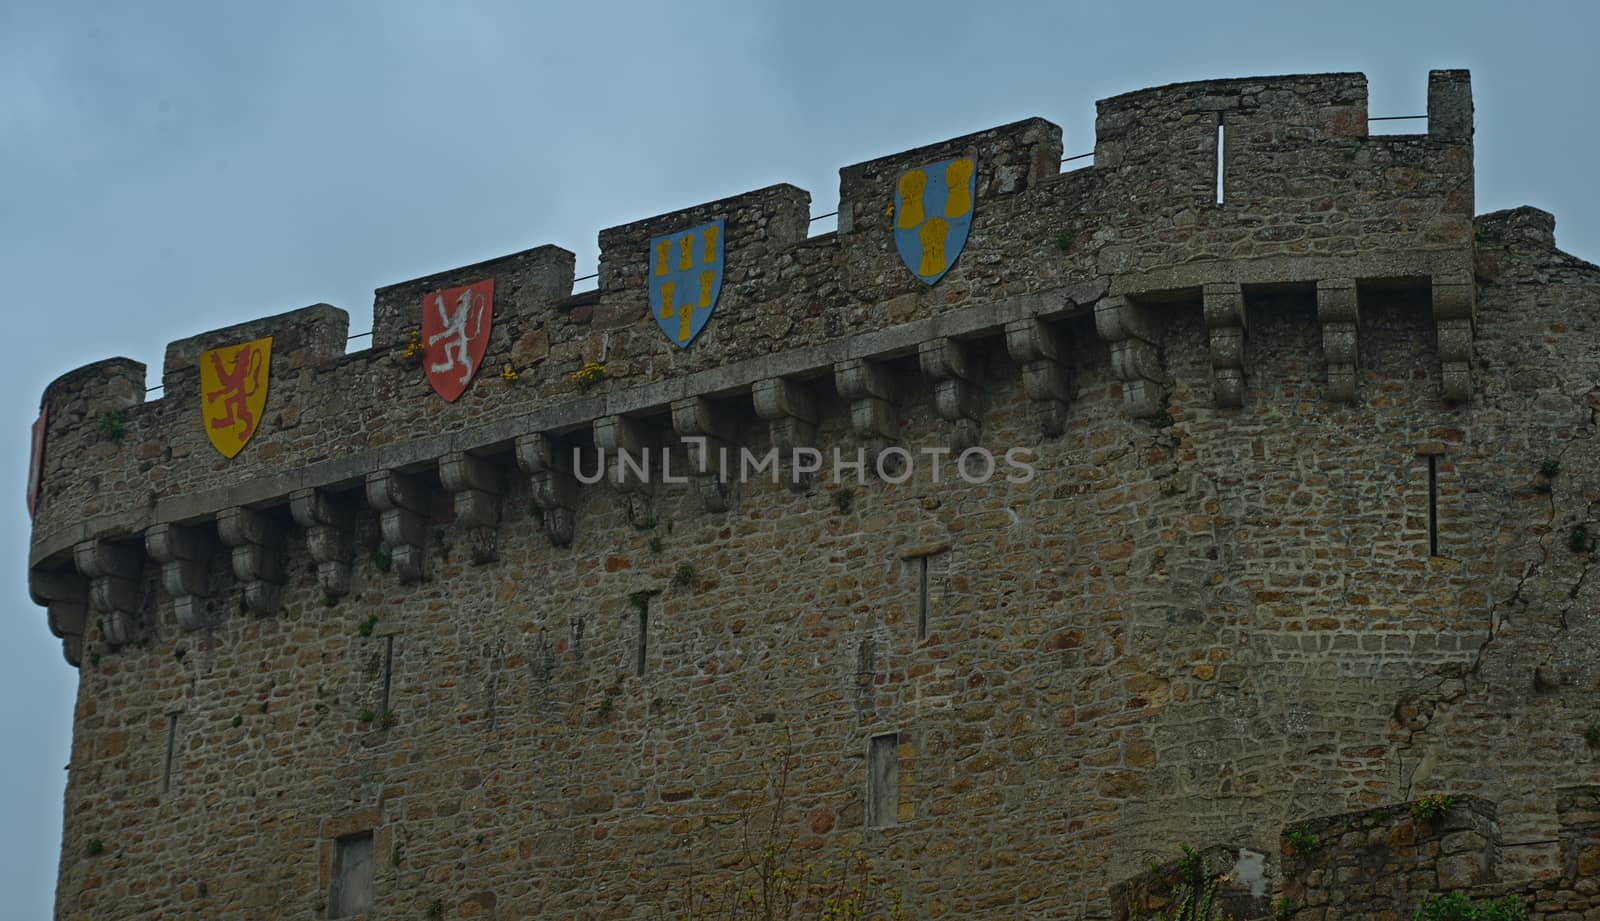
<point>1309,534</point>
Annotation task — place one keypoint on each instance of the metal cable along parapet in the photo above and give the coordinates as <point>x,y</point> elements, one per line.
<point>1222,529</point>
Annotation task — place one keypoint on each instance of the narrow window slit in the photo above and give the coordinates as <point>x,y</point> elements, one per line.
<point>1222,131</point>
<point>643,650</point>
<point>172,745</point>
<point>927,569</point>
<point>388,672</point>
<point>1433,505</point>
<point>922,598</point>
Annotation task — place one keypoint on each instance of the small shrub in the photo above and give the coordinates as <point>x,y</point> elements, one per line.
<point>436,909</point>
<point>1064,240</point>
<point>641,599</point>
<point>683,576</point>
<point>1432,806</point>
<point>398,854</point>
<point>655,543</point>
<point>1592,734</point>
<point>606,707</point>
<point>1162,419</point>
<point>94,848</point>
<point>775,877</point>
<point>367,716</point>
<point>381,561</point>
<point>1284,907</point>
<point>238,720</point>
<point>366,627</point>
<point>844,498</point>
<point>536,513</point>
<point>1550,466</point>
<point>330,600</point>
<point>94,658</point>
<point>1195,896</point>
<point>111,426</point>
<point>1302,841</point>
<point>1458,907</point>
<point>388,719</point>
<point>1579,540</point>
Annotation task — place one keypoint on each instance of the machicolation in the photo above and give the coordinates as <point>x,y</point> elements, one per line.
<point>1305,537</point>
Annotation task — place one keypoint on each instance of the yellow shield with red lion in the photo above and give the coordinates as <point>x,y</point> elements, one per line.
<point>233,392</point>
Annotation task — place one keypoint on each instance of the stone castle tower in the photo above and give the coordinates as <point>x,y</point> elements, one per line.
<point>1309,534</point>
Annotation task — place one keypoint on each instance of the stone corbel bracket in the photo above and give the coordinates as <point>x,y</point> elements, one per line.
<point>1454,300</point>
<point>257,551</point>
<point>790,409</point>
<point>1041,352</point>
<point>113,572</point>
<point>1225,322</point>
<point>64,594</point>
<point>869,387</point>
<point>329,523</point>
<point>623,442</point>
<point>402,505</point>
<point>555,490</point>
<point>709,433</point>
<point>950,365</point>
<point>1339,314</point>
<point>476,486</point>
<point>184,553</point>
<point>1135,359</point>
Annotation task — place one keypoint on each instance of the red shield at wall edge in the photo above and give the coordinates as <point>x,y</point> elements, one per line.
<point>36,461</point>
<point>455,334</point>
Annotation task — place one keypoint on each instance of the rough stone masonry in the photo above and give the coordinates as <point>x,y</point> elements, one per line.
<point>1311,533</point>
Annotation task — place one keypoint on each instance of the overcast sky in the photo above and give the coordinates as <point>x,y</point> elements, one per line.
<point>167,169</point>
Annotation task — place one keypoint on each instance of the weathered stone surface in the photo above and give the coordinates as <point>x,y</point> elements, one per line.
<point>1196,630</point>
<point>1383,863</point>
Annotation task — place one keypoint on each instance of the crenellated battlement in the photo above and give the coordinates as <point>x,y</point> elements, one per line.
<point>1310,201</point>
<point>530,599</point>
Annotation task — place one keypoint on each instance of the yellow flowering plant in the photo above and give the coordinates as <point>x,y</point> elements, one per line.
<point>591,373</point>
<point>413,347</point>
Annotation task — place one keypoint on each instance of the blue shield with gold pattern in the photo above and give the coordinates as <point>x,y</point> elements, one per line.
<point>932,214</point>
<point>685,279</point>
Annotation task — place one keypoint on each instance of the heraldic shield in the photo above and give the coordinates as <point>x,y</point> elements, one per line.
<point>455,334</point>
<point>932,214</point>
<point>36,460</point>
<point>233,392</point>
<point>685,279</point>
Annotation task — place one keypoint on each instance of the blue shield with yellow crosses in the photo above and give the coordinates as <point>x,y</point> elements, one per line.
<point>685,279</point>
<point>932,214</point>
